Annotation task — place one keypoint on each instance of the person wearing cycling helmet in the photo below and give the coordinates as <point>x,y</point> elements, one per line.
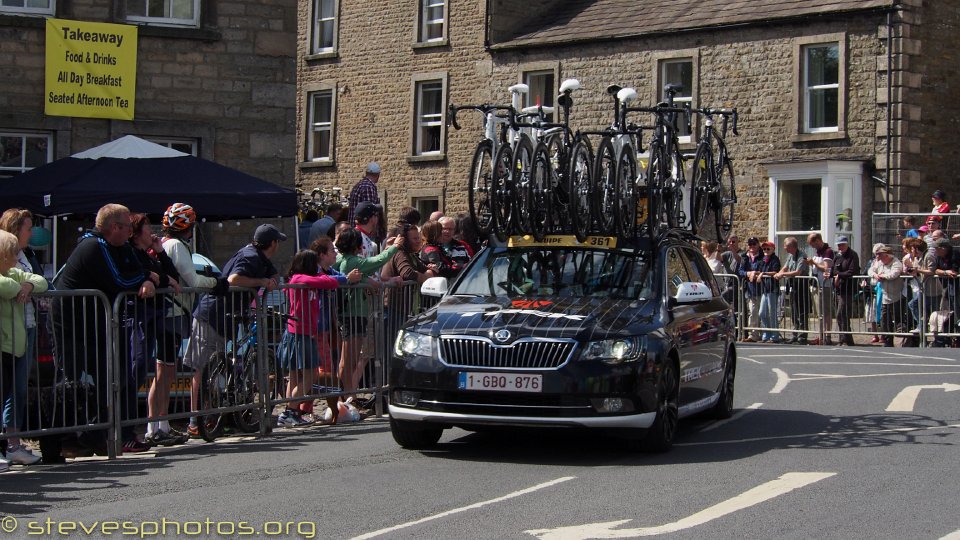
<point>178,223</point>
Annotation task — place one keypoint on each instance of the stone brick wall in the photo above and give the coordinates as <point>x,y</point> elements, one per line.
<point>373,74</point>
<point>230,84</point>
<point>750,68</point>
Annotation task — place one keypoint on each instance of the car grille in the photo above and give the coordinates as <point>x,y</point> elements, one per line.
<point>525,353</point>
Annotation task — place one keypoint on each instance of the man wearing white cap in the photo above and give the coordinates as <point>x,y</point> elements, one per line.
<point>365,190</point>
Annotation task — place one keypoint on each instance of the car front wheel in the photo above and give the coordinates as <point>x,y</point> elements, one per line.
<point>660,435</point>
<point>724,407</point>
<point>414,435</point>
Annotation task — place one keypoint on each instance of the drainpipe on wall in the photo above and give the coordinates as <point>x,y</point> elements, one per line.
<point>486,26</point>
<point>889,106</point>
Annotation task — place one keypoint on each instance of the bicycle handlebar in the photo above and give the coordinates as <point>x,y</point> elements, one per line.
<point>726,113</point>
<point>485,109</point>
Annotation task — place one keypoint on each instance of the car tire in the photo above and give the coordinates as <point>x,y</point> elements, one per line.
<point>413,436</point>
<point>724,407</point>
<point>660,435</point>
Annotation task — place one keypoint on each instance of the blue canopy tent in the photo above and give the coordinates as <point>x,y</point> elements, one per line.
<point>145,177</point>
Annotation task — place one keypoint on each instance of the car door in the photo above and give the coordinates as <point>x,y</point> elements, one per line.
<point>710,338</point>
<point>685,323</point>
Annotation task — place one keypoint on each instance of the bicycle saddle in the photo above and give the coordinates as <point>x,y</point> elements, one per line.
<point>519,89</point>
<point>626,95</point>
<point>569,85</point>
<point>673,88</point>
<point>613,89</point>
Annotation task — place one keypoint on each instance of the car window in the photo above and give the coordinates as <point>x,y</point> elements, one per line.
<point>557,272</point>
<point>699,270</point>
<point>676,271</point>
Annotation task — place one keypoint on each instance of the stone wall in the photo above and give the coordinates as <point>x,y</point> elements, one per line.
<point>373,75</point>
<point>230,84</point>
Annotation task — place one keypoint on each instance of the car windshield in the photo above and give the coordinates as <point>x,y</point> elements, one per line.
<point>564,272</point>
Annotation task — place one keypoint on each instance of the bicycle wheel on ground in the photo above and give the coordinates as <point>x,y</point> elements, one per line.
<point>501,193</point>
<point>580,189</point>
<point>478,189</point>
<point>523,185</point>
<point>213,395</point>
<point>540,210</point>
<point>701,188</point>
<point>245,391</point>
<point>725,198</point>
<point>626,193</point>
<point>605,178</point>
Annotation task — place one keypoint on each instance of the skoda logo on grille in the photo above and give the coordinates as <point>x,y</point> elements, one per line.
<point>502,336</point>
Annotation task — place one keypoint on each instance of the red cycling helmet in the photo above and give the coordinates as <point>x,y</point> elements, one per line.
<point>179,217</point>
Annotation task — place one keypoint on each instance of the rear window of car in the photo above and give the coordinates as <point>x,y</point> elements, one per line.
<point>565,272</point>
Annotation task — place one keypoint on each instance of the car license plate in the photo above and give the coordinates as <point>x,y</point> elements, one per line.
<point>508,382</point>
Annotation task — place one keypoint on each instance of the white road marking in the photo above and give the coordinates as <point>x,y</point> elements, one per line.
<point>748,359</point>
<point>821,434</point>
<point>465,508</point>
<point>736,416</point>
<point>917,356</point>
<point>866,364</point>
<point>813,376</point>
<point>805,356</point>
<point>907,398</point>
<point>782,381</point>
<point>955,535</point>
<point>764,492</point>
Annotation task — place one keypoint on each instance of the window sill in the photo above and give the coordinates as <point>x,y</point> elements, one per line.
<point>430,44</point>
<point>427,158</point>
<point>814,137</point>
<point>200,34</point>
<point>322,56</point>
<point>317,164</point>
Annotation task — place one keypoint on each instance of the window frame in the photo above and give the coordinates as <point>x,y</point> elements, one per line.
<point>541,68</point>
<point>166,21</point>
<point>314,52</point>
<point>419,30</point>
<point>170,141</point>
<point>660,62</point>
<point>800,94</point>
<point>24,135</point>
<point>306,124</point>
<point>28,11</point>
<point>417,83</point>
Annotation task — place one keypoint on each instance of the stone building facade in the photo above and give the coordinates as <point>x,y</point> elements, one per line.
<point>220,85</point>
<point>823,155</point>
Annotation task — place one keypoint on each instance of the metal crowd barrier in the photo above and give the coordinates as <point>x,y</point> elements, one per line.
<point>67,370</point>
<point>921,315</point>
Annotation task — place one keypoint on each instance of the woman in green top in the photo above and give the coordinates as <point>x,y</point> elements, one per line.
<point>357,347</point>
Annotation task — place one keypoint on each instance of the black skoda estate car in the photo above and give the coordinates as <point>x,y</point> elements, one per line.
<point>627,339</point>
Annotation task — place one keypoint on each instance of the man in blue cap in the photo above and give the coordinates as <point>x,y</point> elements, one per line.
<point>845,266</point>
<point>365,190</point>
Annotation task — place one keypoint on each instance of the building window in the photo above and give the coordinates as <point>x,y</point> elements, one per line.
<point>542,89</point>
<point>426,206</point>
<point>433,21</point>
<point>164,12</point>
<point>324,27</point>
<point>320,121</point>
<point>20,152</point>
<point>821,88</point>
<point>679,72</point>
<point>428,118</point>
<point>187,146</point>
<point>28,7</point>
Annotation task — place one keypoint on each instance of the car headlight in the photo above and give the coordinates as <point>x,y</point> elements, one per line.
<point>409,344</point>
<point>615,351</point>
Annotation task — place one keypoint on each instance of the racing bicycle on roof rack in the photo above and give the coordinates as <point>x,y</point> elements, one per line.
<point>712,183</point>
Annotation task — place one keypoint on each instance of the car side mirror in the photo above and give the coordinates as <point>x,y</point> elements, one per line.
<point>690,292</point>
<point>435,286</point>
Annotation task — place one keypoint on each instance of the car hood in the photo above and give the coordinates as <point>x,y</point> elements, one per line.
<point>576,318</point>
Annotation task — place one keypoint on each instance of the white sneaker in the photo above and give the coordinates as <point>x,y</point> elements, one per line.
<point>4,465</point>
<point>22,456</point>
<point>287,419</point>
